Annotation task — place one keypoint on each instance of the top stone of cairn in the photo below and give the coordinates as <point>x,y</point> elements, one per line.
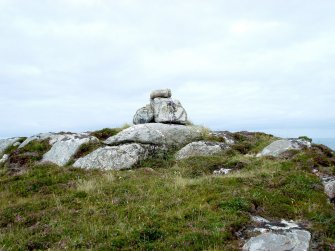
<point>164,93</point>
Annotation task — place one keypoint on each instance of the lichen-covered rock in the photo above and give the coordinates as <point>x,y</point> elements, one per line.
<point>66,147</point>
<point>115,157</point>
<point>144,115</point>
<point>222,171</point>
<point>296,240</point>
<point>330,189</point>
<point>4,158</point>
<point>164,93</point>
<point>201,148</point>
<point>277,236</point>
<point>227,136</point>
<point>167,110</point>
<point>157,134</point>
<point>280,146</point>
<point>54,137</point>
<point>5,143</point>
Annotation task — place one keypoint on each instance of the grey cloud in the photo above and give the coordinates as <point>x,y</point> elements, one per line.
<point>82,65</point>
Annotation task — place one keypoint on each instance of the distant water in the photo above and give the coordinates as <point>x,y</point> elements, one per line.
<point>330,142</point>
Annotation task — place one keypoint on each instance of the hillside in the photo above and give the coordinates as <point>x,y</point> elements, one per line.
<point>165,184</point>
<point>163,203</point>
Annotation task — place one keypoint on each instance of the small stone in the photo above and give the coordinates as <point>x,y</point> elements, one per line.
<point>4,158</point>
<point>330,189</point>
<point>164,93</point>
<point>222,171</point>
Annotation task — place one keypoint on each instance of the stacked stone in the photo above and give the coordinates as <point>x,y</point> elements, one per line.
<point>162,109</point>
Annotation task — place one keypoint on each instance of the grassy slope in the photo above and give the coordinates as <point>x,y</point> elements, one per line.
<point>175,205</point>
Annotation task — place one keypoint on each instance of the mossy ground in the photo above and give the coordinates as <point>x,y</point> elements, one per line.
<point>173,205</point>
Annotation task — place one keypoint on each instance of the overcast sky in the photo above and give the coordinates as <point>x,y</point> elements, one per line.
<point>77,65</point>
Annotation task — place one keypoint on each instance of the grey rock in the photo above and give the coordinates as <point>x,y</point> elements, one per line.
<point>164,93</point>
<point>41,136</point>
<point>227,136</point>
<point>144,115</point>
<point>65,147</point>
<point>5,143</point>
<point>277,236</point>
<point>54,137</point>
<point>157,134</point>
<point>222,171</point>
<point>280,146</point>
<point>330,189</point>
<point>114,157</point>
<point>167,110</point>
<point>200,148</point>
<point>4,158</point>
<point>295,240</point>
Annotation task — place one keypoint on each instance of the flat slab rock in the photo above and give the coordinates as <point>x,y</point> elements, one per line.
<point>66,147</point>
<point>157,134</point>
<point>278,236</point>
<point>201,148</point>
<point>54,137</point>
<point>115,157</point>
<point>63,145</point>
<point>5,143</point>
<point>280,146</point>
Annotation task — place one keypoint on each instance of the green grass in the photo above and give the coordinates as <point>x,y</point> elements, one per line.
<point>174,205</point>
<point>105,133</point>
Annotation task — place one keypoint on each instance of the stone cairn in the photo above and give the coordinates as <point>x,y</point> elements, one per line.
<point>162,109</point>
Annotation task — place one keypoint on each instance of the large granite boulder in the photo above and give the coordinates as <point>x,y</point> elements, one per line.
<point>278,147</point>
<point>277,236</point>
<point>66,147</point>
<point>201,148</point>
<point>5,143</point>
<point>167,110</point>
<point>115,157</point>
<point>144,115</point>
<point>157,134</point>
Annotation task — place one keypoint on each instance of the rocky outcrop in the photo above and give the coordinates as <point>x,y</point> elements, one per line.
<point>277,236</point>
<point>144,115</point>
<point>201,148</point>
<point>278,147</point>
<point>5,143</point>
<point>52,137</point>
<point>66,147</point>
<point>162,109</point>
<point>157,134</point>
<point>115,157</point>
